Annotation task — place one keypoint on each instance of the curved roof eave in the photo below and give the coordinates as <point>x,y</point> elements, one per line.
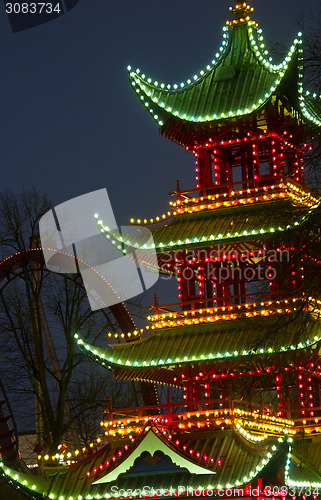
<point>202,100</point>
<point>311,107</point>
<point>41,488</point>
<point>126,356</point>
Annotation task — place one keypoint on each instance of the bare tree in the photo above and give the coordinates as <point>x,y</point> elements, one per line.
<point>40,313</point>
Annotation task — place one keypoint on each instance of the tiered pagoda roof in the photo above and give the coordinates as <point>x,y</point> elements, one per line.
<point>249,214</point>
<point>153,460</point>
<point>208,333</point>
<point>215,442</point>
<point>240,80</point>
<point>229,224</point>
<point>123,468</point>
<point>201,339</point>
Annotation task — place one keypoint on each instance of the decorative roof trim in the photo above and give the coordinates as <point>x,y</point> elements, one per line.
<point>152,443</point>
<point>232,236</point>
<point>33,487</point>
<point>103,358</point>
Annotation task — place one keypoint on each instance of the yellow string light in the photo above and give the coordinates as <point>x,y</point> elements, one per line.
<point>211,202</point>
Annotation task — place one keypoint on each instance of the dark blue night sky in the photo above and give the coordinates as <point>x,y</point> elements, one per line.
<point>71,122</point>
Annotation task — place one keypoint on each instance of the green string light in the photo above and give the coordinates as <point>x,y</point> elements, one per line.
<point>279,70</point>
<point>159,362</point>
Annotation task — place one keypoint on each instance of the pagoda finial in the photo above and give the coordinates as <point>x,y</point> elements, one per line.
<point>242,12</point>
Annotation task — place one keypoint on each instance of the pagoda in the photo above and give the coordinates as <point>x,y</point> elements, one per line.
<point>242,342</point>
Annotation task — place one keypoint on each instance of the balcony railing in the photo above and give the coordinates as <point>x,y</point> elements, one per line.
<point>225,195</point>
<point>198,310</point>
<point>240,188</point>
<point>214,413</point>
<point>197,415</point>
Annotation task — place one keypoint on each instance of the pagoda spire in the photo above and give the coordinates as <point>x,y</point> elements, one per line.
<point>242,12</point>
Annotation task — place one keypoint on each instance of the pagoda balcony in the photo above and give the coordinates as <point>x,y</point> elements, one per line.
<point>200,310</point>
<point>223,196</point>
<point>207,198</point>
<point>245,416</point>
<point>193,415</point>
<point>181,344</point>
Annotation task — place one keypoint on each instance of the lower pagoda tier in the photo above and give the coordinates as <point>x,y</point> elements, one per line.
<point>250,334</point>
<point>157,463</point>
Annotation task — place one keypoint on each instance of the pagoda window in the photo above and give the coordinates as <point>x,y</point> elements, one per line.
<point>215,168</point>
<point>257,290</point>
<point>192,286</point>
<point>236,170</point>
<point>229,293</point>
<point>198,289</point>
<point>287,166</point>
<point>264,160</point>
<point>216,393</point>
<point>242,285</point>
<point>292,166</point>
<point>237,177</point>
<point>188,283</point>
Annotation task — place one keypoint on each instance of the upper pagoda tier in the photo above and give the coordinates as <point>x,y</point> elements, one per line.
<point>240,81</point>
